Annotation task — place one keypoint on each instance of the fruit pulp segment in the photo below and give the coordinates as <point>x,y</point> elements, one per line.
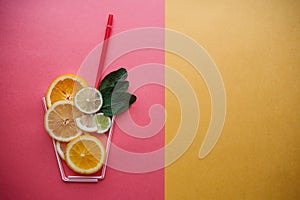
<point>64,111</point>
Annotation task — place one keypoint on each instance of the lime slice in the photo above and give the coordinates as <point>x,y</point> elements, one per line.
<point>86,123</point>
<point>88,100</point>
<point>103,122</point>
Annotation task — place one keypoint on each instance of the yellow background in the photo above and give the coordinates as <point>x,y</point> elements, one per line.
<point>255,45</point>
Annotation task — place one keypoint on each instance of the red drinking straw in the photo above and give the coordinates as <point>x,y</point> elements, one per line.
<point>104,49</point>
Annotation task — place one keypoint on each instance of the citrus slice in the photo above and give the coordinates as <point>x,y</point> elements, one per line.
<point>85,154</point>
<point>59,121</point>
<point>103,123</point>
<point>88,100</point>
<point>87,123</point>
<point>64,88</point>
<point>61,148</point>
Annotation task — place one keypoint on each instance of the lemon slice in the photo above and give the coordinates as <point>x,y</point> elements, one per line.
<point>61,148</point>
<point>103,123</point>
<point>64,88</point>
<point>87,123</point>
<point>88,100</point>
<point>85,154</point>
<point>59,121</point>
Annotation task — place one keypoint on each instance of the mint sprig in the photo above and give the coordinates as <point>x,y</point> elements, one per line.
<point>113,88</point>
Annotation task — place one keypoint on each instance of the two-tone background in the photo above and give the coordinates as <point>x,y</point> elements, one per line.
<point>255,46</point>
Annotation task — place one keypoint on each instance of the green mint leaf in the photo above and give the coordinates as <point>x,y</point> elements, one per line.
<point>121,101</point>
<point>117,103</point>
<point>107,111</point>
<point>112,78</point>
<point>121,86</point>
<point>115,97</point>
<point>106,92</point>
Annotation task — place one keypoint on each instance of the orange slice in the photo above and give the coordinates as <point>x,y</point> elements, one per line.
<point>60,121</point>
<point>64,88</point>
<point>85,154</point>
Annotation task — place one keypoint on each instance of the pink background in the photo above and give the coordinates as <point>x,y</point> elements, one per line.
<point>39,41</point>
